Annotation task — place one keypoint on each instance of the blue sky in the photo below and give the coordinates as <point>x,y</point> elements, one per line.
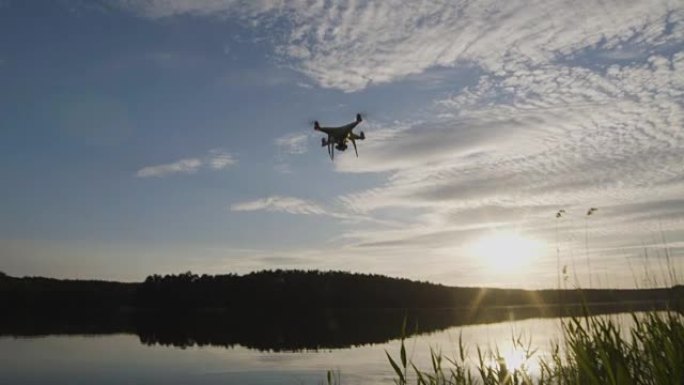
<point>162,136</point>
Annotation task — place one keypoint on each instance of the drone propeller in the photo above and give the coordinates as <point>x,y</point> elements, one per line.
<point>311,122</point>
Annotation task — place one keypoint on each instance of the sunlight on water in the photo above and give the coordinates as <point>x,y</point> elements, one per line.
<point>516,359</point>
<point>514,356</point>
<point>122,358</point>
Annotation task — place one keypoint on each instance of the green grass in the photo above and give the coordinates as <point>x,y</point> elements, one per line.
<point>595,352</point>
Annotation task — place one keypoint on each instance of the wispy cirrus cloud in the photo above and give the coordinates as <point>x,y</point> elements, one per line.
<point>558,136</point>
<point>183,166</point>
<point>298,206</point>
<point>343,45</point>
<point>282,204</point>
<point>560,129</point>
<point>215,160</point>
<point>574,105</point>
<point>219,159</point>
<point>293,143</point>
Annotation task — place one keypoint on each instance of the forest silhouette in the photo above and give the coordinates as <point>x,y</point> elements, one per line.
<point>286,310</point>
<point>277,289</point>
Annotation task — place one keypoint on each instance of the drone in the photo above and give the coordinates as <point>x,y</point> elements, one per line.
<point>338,136</point>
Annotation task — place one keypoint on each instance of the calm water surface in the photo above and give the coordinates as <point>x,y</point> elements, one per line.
<point>123,359</point>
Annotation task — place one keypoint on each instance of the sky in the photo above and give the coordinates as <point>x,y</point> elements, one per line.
<point>161,136</point>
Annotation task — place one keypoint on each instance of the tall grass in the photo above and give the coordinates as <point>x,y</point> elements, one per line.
<point>594,350</point>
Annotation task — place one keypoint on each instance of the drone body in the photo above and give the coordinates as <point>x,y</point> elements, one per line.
<point>338,136</point>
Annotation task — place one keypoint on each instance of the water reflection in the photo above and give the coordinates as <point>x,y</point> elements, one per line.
<point>121,358</point>
<point>281,331</point>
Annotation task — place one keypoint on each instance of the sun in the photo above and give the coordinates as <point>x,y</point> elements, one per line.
<point>506,251</point>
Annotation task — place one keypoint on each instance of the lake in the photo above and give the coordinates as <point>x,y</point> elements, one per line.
<point>218,348</point>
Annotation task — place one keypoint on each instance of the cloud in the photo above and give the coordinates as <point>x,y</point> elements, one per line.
<point>570,105</point>
<point>276,203</point>
<point>218,159</point>
<point>343,44</point>
<point>183,166</point>
<point>559,126</point>
<point>293,144</point>
<point>215,160</point>
<point>297,206</point>
<point>513,149</point>
<point>288,145</point>
<point>283,168</point>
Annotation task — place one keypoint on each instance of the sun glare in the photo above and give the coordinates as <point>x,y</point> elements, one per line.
<point>506,251</point>
<point>514,358</point>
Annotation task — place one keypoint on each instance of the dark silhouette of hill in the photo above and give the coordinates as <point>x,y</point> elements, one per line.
<point>288,289</point>
<point>334,289</point>
<point>285,310</point>
<point>49,293</point>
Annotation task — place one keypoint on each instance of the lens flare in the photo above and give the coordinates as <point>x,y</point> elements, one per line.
<point>506,251</point>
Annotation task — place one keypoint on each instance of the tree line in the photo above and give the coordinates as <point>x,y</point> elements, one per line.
<point>277,289</point>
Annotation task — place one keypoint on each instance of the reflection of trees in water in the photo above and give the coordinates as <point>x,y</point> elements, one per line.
<point>34,323</point>
<point>166,309</point>
<point>279,330</point>
<point>287,331</point>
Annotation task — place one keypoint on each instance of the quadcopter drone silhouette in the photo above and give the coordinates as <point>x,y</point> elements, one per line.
<point>339,136</point>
